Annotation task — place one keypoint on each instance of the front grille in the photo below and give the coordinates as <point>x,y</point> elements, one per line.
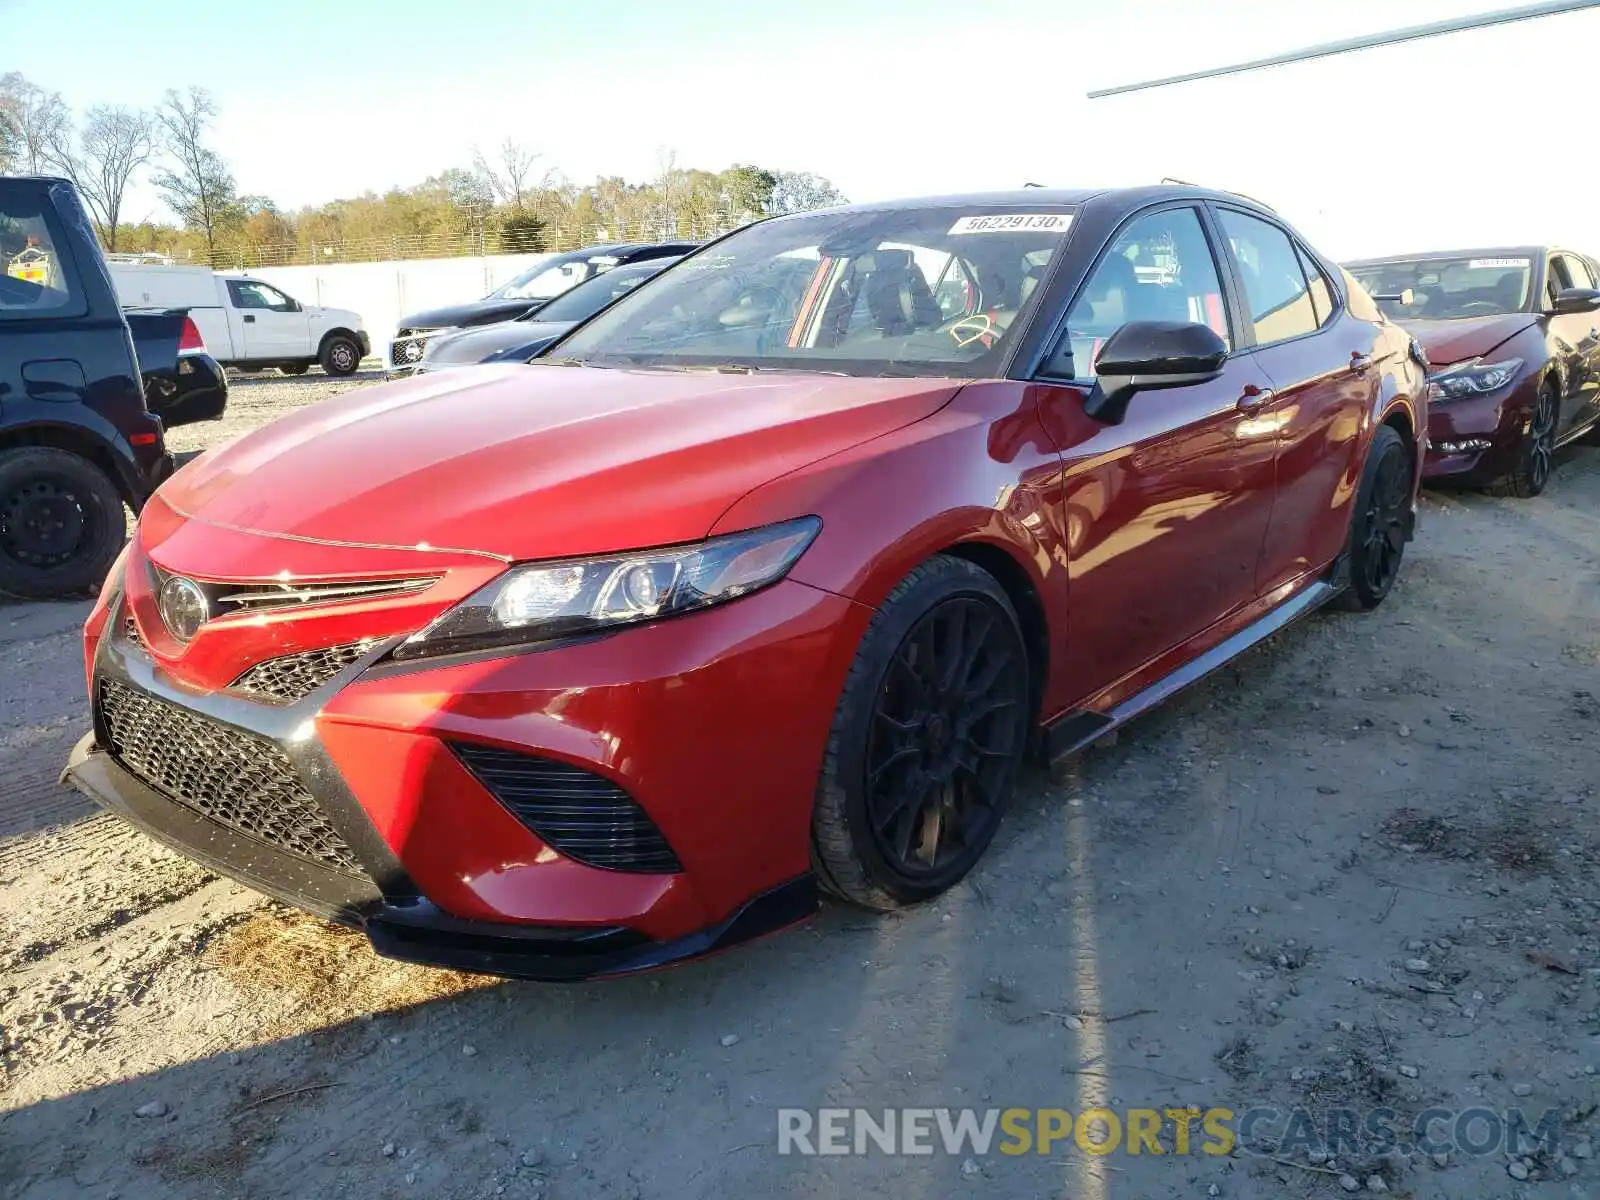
<point>290,677</point>
<point>407,349</point>
<point>575,812</point>
<point>243,782</point>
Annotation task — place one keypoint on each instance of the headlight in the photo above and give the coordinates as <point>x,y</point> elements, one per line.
<point>542,601</point>
<point>1474,378</point>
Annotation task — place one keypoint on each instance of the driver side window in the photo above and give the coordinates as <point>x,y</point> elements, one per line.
<point>1159,268</point>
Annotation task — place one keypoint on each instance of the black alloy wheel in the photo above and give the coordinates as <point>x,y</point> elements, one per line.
<point>1381,522</point>
<point>943,737</point>
<point>926,740</point>
<point>1536,460</point>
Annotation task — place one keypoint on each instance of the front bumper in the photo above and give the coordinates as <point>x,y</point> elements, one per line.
<point>1457,428</point>
<point>714,723</point>
<point>408,927</point>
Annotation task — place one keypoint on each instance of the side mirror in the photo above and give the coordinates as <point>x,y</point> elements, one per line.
<point>1577,300</point>
<point>1146,356</point>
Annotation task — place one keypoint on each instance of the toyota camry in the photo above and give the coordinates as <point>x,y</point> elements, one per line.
<point>763,582</point>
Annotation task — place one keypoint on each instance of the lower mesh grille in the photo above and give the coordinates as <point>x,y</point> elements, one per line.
<point>285,680</point>
<point>575,812</point>
<point>243,782</point>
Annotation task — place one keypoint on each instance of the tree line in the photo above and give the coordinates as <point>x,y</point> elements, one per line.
<point>502,200</point>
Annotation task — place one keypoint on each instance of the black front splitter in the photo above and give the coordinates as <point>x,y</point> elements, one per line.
<point>409,927</point>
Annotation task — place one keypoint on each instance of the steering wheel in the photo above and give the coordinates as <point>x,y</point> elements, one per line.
<point>1472,304</point>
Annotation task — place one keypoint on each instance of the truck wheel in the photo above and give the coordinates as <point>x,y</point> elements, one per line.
<point>299,368</point>
<point>61,523</point>
<point>340,356</point>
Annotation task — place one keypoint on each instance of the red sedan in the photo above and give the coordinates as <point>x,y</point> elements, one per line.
<point>767,578</point>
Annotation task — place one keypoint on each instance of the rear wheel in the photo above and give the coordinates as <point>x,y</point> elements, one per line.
<point>926,739</point>
<point>61,523</point>
<point>1381,521</point>
<point>1536,459</point>
<point>340,356</point>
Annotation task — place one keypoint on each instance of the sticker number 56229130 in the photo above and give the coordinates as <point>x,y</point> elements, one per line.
<point>1014,222</point>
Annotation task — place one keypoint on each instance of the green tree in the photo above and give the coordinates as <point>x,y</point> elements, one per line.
<point>749,190</point>
<point>800,191</point>
<point>196,183</point>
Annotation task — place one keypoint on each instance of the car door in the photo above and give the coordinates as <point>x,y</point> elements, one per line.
<point>274,325</point>
<point>1164,512</point>
<point>44,312</point>
<point>1575,338</point>
<point>1319,359</point>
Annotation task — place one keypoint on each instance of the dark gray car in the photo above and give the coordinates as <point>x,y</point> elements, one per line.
<point>522,339</point>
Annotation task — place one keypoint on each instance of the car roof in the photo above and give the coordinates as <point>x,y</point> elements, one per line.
<point>1131,197</point>
<point>33,178</point>
<point>1435,255</point>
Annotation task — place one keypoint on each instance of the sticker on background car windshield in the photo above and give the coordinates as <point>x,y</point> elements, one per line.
<point>1012,222</point>
<point>1479,264</point>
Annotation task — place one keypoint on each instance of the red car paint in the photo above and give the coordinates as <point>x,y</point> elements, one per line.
<point>1135,548</point>
<point>1559,351</point>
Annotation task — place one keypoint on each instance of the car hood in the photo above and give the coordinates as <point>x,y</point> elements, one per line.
<point>1449,342</point>
<point>475,312</point>
<point>478,345</point>
<point>529,462</point>
<point>337,316</point>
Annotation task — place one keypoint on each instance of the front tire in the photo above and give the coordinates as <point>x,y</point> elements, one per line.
<point>61,523</point>
<point>340,355</point>
<point>1381,521</point>
<point>1536,458</point>
<point>926,739</point>
<point>299,368</point>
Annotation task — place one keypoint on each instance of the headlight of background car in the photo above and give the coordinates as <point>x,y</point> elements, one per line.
<point>1474,378</point>
<point>541,601</point>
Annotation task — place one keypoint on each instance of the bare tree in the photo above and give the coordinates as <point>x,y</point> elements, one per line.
<point>116,142</point>
<point>30,118</point>
<point>511,176</point>
<point>198,185</point>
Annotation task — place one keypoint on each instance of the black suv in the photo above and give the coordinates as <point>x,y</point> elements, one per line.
<point>77,440</point>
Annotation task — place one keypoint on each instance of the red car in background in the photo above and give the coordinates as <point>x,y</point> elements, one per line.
<point>1513,338</point>
<point>767,577</point>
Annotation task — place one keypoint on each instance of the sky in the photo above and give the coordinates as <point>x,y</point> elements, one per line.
<point>1471,139</point>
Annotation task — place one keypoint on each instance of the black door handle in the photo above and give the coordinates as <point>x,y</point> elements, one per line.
<point>249,319</point>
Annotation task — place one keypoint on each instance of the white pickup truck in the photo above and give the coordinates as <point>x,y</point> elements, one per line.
<point>247,322</point>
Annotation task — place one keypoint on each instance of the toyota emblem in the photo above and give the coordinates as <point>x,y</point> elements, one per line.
<point>184,607</point>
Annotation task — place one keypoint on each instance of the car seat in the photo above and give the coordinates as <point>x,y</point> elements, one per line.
<point>898,295</point>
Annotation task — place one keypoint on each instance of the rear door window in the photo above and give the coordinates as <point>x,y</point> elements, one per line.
<point>1275,287</point>
<point>37,280</point>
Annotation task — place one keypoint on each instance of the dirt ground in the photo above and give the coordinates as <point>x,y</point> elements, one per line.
<point>1356,869</point>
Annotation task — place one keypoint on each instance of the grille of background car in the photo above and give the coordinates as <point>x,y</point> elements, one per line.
<point>240,781</point>
<point>575,812</point>
<point>292,677</point>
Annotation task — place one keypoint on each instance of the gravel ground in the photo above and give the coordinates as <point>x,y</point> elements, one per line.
<point>1356,869</point>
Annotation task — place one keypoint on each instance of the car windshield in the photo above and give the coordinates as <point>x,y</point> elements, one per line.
<point>548,279</point>
<point>1446,288</point>
<point>583,301</point>
<point>911,291</point>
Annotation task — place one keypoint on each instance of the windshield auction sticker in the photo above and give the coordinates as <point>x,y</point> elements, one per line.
<point>1014,223</point>
<point>1489,264</point>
